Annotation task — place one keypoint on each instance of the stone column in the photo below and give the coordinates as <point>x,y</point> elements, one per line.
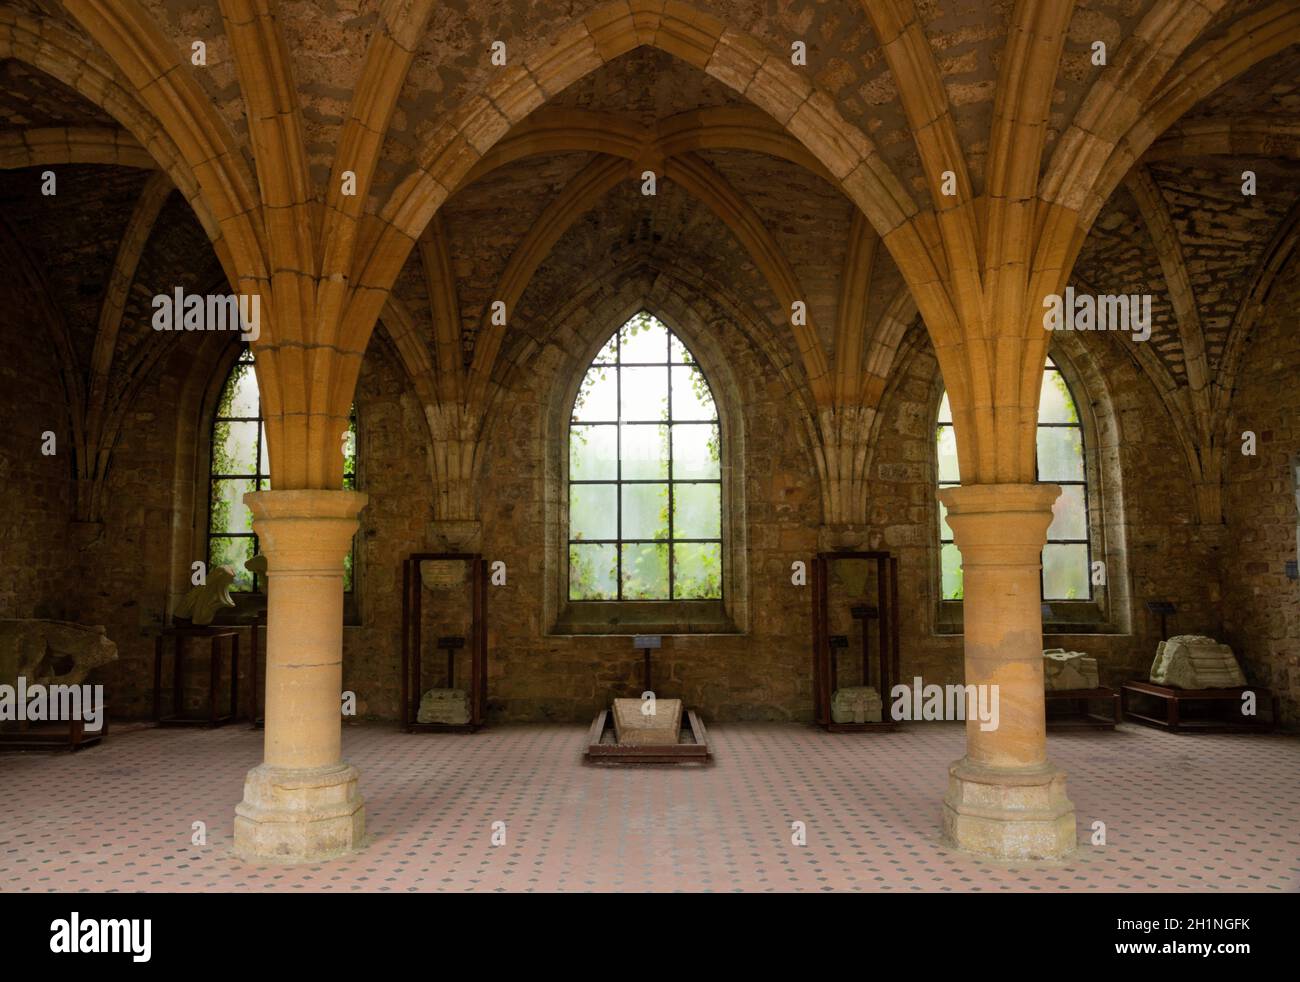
<point>1004,799</point>
<point>302,801</point>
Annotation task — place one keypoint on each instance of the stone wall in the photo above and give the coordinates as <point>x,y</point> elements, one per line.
<point>1262,619</point>
<point>393,469</point>
<point>35,490</point>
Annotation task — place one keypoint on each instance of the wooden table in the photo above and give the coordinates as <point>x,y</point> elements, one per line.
<point>215,635</point>
<point>55,735</point>
<point>1222,719</point>
<point>1083,718</point>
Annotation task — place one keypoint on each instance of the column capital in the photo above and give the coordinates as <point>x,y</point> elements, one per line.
<point>307,530</point>
<point>1000,524</point>
<point>1000,499</point>
<point>305,503</point>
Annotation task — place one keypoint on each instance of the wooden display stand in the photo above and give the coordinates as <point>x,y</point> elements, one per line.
<point>68,735</point>
<point>215,635</point>
<point>1214,710</point>
<point>412,648</point>
<point>692,745</point>
<point>1079,714</point>
<point>884,613</point>
<point>255,719</point>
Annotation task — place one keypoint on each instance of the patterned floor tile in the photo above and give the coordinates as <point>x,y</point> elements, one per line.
<point>1205,812</point>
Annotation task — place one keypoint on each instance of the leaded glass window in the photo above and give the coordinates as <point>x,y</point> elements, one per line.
<point>645,473</point>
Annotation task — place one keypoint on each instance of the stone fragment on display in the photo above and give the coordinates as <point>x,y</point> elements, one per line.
<point>47,652</point>
<point>1193,661</point>
<point>856,704</point>
<point>447,706</point>
<point>201,604</point>
<point>1064,670</point>
<point>635,728</point>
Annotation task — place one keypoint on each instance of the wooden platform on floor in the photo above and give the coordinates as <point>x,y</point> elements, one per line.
<point>692,746</point>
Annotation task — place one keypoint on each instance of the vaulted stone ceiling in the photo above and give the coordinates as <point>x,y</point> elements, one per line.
<point>1174,215</point>
<point>30,98</point>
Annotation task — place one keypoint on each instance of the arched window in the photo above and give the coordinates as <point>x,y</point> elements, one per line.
<point>645,473</point>
<point>240,464</point>
<point>1067,554</point>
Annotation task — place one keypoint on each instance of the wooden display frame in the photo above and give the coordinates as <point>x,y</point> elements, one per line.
<point>181,633</point>
<point>824,667</point>
<point>1173,699</point>
<point>412,627</point>
<point>599,752</point>
<point>255,718</point>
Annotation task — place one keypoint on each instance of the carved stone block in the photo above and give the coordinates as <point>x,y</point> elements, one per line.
<point>447,706</point>
<point>856,704</point>
<point>51,652</point>
<point>634,728</point>
<point>1064,670</point>
<point>1192,661</point>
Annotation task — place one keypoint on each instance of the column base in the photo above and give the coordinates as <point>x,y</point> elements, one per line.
<point>1008,813</point>
<point>299,814</point>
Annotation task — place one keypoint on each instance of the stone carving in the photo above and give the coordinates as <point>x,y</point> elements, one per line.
<point>51,652</point>
<point>447,706</point>
<point>1192,661</point>
<point>257,564</point>
<point>635,729</point>
<point>201,604</point>
<point>856,704</point>
<point>1069,670</point>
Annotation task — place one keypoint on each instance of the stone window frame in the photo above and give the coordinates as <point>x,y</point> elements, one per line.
<point>1108,612</point>
<point>730,615</point>
<point>670,481</point>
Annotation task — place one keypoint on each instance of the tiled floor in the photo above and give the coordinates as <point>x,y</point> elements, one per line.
<point>1181,813</point>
